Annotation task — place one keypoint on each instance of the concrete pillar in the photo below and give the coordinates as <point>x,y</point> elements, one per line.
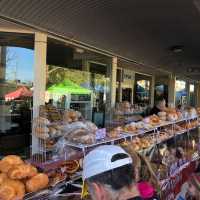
<point>152,90</point>
<point>172,90</point>
<point>198,94</point>
<point>188,92</point>
<point>39,82</point>
<point>2,63</point>
<point>113,81</point>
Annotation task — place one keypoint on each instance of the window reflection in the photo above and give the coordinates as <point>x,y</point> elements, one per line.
<point>78,90</point>
<point>16,84</point>
<point>142,89</point>
<point>80,80</point>
<point>181,92</point>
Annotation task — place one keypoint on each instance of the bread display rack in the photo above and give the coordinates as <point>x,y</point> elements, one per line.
<point>151,138</point>
<point>41,131</point>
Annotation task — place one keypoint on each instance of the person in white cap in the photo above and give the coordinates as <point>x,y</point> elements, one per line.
<point>109,174</point>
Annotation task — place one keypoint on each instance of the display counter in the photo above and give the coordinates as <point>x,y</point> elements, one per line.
<point>167,148</point>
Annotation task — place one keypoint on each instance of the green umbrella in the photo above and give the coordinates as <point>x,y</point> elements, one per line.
<point>68,87</point>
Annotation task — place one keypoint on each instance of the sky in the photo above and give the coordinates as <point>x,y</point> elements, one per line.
<point>19,64</point>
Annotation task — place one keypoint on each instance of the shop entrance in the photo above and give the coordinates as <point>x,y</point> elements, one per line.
<point>126,94</point>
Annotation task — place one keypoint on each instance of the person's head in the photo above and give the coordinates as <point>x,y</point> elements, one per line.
<point>161,103</point>
<point>194,186</point>
<point>107,170</point>
<point>50,102</point>
<point>180,107</point>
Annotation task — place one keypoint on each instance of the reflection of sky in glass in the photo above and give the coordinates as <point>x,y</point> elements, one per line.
<point>144,84</point>
<point>19,64</point>
<point>191,88</point>
<point>180,85</point>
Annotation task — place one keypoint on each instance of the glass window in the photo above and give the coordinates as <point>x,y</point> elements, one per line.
<point>79,80</point>
<point>142,89</point>
<point>192,94</point>
<point>181,92</point>
<point>16,83</point>
<point>192,88</point>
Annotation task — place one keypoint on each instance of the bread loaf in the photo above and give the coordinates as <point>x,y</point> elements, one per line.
<point>12,190</point>
<point>13,159</point>
<point>3,177</point>
<point>7,192</point>
<point>36,183</point>
<point>8,162</point>
<point>22,171</point>
<point>5,166</point>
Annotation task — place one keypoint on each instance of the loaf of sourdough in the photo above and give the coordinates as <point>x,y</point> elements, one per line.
<point>36,183</point>
<point>8,162</point>
<point>12,190</point>
<point>22,171</point>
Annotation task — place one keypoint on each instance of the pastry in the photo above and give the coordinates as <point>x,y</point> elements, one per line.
<point>154,119</point>
<point>113,134</point>
<point>80,135</point>
<point>8,162</point>
<point>5,166</point>
<point>41,120</point>
<point>12,190</point>
<point>3,177</point>
<point>22,171</point>
<point>139,125</point>
<point>70,116</point>
<point>71,166</point>
<point>91,126</point>
<point>73,115</point>
<point>13,159</point>
<point>130,128</point>
<point>36,183</point>
<point>7,192</point>
<point>172,117</point>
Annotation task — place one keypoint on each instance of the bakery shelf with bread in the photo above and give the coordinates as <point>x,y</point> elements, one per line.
<point>69,138</point>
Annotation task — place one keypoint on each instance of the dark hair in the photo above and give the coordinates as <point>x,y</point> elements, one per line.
<point>179,106</point>
<point>116,178</point>
<point>158,100</point>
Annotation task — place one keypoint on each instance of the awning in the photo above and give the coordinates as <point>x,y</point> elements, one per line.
<point>68,87</point>
<point>20,92</point>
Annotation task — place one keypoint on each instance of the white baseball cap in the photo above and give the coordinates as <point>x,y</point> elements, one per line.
<point>101,160</point>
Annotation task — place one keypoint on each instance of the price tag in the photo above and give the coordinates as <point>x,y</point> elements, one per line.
<point>100,134</point>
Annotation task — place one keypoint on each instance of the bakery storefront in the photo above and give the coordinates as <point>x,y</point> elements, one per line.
<point>74,78</point>
<point>57,97</point>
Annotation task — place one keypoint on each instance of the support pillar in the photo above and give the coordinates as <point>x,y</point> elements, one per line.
<point>2,63</point>
<point>172,90</point>
<point>113,81</point>
<point>152,90</point>
<point>198,94</point>
<point>39,82</point>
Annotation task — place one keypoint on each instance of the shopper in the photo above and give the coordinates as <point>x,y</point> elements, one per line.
<point>159,107</point>
<point>108,173</point>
